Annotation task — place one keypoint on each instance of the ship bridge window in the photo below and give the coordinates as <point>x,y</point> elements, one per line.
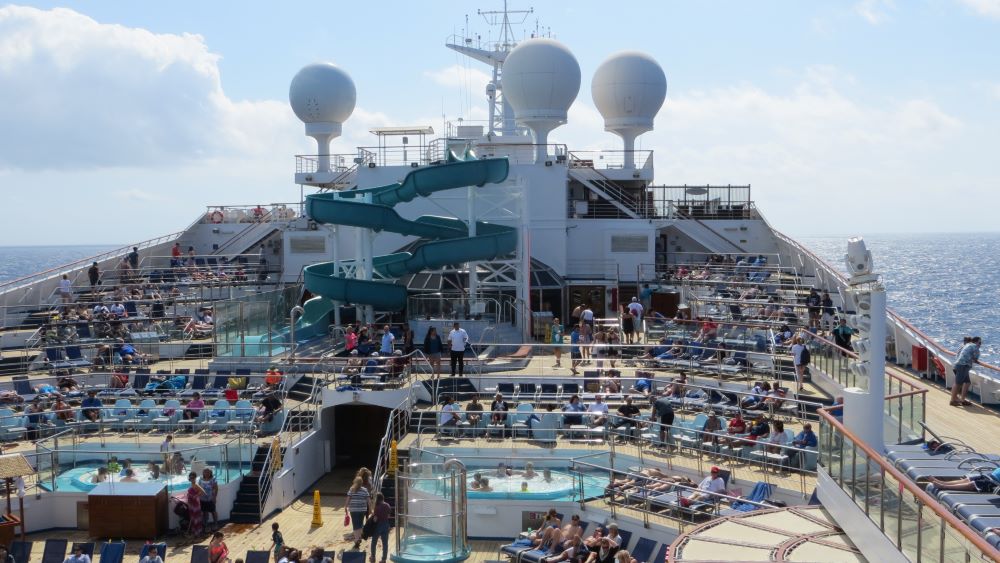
<point>629,243</point>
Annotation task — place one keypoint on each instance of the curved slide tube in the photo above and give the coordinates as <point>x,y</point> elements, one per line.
<point>447,239</point>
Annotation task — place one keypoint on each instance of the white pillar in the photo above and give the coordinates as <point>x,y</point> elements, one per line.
<point>359,258</point>
<point>369,243</point>
<point>524,272</point>
<point>629,160</point>
<point>336,268</point>
<point>864,406</point>
<point>323,132</point>
<point>473,270</point>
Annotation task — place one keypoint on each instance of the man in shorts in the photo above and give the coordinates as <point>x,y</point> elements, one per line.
<point>967,355</point>
<point>663,412</point>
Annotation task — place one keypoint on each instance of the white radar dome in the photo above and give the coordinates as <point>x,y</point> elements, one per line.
<point>541,78</point>
<point>628,89</point>
<point>323,96</point>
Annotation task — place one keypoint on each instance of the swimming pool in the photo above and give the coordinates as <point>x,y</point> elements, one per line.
<point>560,486</point>
<point>80,479</point>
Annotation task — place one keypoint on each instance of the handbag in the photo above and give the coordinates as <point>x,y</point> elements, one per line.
<point>368,530</point>
<point>347,519</point>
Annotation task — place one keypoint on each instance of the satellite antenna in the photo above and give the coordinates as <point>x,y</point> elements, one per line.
<point>494,53</point>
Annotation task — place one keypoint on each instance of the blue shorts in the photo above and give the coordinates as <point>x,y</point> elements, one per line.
<point>962,374</point>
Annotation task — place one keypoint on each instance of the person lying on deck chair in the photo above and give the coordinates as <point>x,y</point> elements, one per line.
<point>974,482</point>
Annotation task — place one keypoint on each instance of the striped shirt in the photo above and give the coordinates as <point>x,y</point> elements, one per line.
<point>357,501</point>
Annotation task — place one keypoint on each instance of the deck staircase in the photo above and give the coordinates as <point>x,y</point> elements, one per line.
<point>246,508</point>
<point>610,191</point>
<point>706,236</point>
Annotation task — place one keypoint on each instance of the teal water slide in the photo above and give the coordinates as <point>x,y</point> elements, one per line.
<point>446,241</point>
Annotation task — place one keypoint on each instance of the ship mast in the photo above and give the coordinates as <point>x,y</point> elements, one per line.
<point>494,53</point>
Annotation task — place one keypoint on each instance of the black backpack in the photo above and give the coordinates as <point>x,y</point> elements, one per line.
<point>805,355</point>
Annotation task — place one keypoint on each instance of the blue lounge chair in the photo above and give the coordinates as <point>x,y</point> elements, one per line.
<point>643,550</point>
<point>113,552</point>
<point>199,554</point>
<point>21,551</point>
<point>75,356</point>
<point>260,556</point>
<point>55,551</point>
<point>661,555</point>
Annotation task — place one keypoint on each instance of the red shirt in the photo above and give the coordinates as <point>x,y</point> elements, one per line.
<point>175,252</point>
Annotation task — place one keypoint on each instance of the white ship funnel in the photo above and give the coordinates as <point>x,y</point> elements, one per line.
<point>323,97</point>
<point>628,89</point>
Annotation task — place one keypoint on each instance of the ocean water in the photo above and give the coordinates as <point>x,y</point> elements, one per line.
<point>18,261</point>
<point>947,285</point>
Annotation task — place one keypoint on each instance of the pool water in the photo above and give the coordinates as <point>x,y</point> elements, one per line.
<point>429,548</point>
<point>561,486</point>
<point>80,478</point>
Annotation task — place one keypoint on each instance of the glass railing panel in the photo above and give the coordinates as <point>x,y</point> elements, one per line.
<point>930,535</point>
<point>957,548</point>
<point>909,539</point>
<point>891,509</point>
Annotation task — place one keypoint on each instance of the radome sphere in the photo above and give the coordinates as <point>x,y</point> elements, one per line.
<point>322,93</point>
<point>628,89</point>
<point>541,78</point>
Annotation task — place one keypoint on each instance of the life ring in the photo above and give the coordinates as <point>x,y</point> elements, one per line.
<point>216,217</point>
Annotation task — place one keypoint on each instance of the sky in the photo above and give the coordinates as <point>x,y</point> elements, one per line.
<point>122,121</point>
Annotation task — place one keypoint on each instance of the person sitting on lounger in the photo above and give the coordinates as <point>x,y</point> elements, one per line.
<point>77,556</point>
<point>498,410</point>
<point>709,486</point>
<point>574,550</point>
<point>573,406</point>
<point>674,352</point>
<point>676,387</point>
<point>975,482</point>
<point>777,438</point>
<point>551,520</point>
<point>594,540</point>
<point>552,538</point>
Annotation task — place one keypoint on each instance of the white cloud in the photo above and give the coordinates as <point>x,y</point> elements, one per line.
<point>815,149</point>
<point>874,11</point>
<point>989,8</point>
<point>100,95</point>
<point>459,76</point>
<point>136,194</point>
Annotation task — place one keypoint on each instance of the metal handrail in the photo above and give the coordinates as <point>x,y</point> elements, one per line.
<point>285,434</point>
<point>52,272</point>
<point>892,315</point>
<point>398,418</point>
<point>904,482</point>
<point>266,219</point>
